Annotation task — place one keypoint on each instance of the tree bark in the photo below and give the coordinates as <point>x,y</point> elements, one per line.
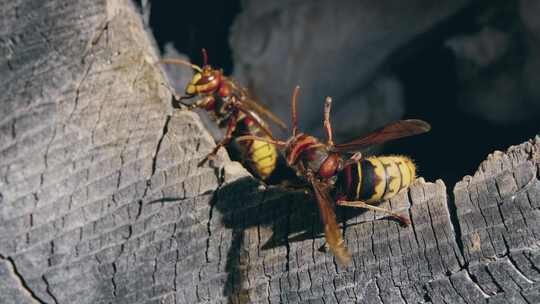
<point>102,201</point>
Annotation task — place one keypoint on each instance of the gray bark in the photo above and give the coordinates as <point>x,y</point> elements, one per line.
<point>102,201</point>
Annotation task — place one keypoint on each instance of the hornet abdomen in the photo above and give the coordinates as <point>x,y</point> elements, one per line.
<point>374,179</point>
<point>260,156</point>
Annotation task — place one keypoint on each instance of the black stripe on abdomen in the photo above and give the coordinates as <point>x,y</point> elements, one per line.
<point>369,180</point>
<point>346,182</point>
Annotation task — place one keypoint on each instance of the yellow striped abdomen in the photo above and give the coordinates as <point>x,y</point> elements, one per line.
<point>260,156</point>
<point>375,178</point>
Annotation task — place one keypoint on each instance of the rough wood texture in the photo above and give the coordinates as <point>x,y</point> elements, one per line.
<point>101,199</point>
<point>499,220</point>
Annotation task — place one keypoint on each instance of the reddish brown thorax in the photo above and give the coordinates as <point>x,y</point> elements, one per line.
<point>224,90</point>
<point>329,166</point>
<point>314,155</point>
<point>298,146</point>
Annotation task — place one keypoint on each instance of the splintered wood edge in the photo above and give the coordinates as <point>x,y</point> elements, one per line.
<point>496,215</point>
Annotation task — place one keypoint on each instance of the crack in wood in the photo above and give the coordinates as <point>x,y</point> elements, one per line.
<point>21,281</point>
<point>48,289</point>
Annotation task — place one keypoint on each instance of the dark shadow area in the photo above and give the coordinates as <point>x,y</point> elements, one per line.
<point>458,141</point>
<point>291,216</point>
<point>193,25</point>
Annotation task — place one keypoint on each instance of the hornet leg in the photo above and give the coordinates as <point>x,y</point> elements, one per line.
<point>359,204</point>
<point>197,104</point>
<point>231,126</point>
<point>326,121</point>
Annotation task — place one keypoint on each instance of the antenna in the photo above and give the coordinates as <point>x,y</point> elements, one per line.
<point>264,139</point>
<point>293,110</point>
<point>326,121</point>
<point>204,56</point>
<point>181,62</point>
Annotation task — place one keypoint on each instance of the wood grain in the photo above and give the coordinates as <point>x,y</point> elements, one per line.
<point>102,201</point>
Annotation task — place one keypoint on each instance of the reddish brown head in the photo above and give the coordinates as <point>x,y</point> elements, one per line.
<point>314,155</point>
<point>302,147</point>
<point>305,149</point>
<point>206,81</point>
<point>299,146</point>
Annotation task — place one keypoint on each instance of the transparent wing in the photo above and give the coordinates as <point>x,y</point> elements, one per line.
<point>394,130</point>
<point>249,113</point>
<point>248,99</point>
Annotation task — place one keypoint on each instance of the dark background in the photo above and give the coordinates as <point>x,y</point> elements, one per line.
<point>427,68</point>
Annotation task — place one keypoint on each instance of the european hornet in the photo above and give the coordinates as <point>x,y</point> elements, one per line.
<point>231,106</point>
<point>354,181</point>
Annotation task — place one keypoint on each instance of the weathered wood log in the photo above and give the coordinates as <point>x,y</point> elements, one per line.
<point>102,201</point>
